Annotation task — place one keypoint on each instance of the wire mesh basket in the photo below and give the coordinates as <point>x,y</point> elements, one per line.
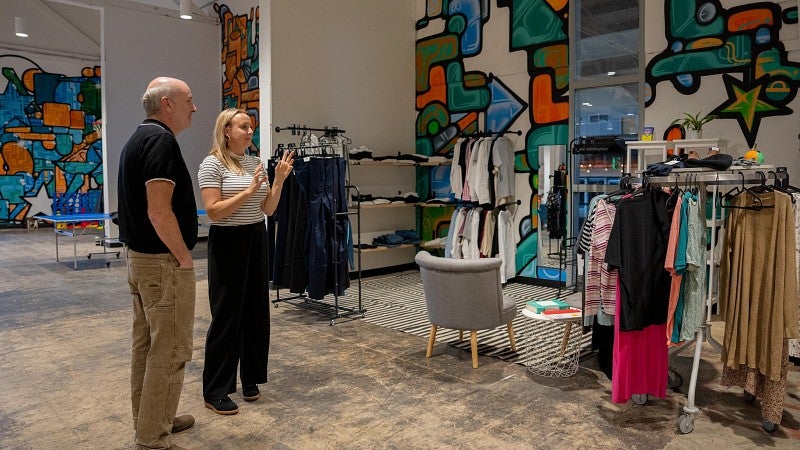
<point>552,348</point>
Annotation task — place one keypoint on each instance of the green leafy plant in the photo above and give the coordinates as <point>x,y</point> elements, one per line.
<point>693,122</point>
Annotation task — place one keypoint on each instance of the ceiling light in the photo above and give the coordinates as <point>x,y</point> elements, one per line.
<point>19,27</point>
<point>186,9</point>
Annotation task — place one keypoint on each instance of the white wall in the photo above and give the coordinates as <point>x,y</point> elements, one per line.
<point>345,63</point>
<point>349,64</point>
<point>138,47</point>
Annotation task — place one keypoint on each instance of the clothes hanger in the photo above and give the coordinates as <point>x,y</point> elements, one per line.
<point>757,203</point>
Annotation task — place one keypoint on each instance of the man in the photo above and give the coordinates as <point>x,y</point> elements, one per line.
<point>158,223</point>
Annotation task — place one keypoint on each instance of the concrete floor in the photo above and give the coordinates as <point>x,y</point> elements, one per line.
<point>64,377</point>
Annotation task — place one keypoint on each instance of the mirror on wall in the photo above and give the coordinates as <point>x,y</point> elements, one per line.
<point>552,203</point>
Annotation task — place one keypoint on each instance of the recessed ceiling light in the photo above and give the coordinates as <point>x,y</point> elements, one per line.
<point>186,9</point>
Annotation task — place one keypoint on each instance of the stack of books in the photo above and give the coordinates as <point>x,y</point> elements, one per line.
<point>539,306</point>
<point>553,309</point>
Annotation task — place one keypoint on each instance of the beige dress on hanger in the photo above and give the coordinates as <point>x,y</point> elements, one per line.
<point>758,299</point>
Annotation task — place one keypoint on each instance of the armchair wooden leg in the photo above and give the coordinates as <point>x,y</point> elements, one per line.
<point>511,336</point>
<point>473,340</point>
<point>460,335</point>
<point>431,341</point>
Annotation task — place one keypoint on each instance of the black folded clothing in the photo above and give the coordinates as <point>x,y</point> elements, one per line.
<point>720,161</point>
<point>361,155</point>
<point>661,169</point>
<point>362,198</point>
<point>412,157</point>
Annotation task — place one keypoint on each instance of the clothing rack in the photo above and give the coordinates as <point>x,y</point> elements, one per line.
<point>330,131</point>
<point>488,133</point>
<point>300,152</point>
<point>703,179</point>
<point>337,310</point>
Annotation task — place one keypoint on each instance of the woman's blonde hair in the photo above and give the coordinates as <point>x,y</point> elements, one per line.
<point>219,144</point>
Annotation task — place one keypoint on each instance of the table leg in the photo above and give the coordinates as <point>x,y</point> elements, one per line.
<point>565,338</point>
<point>74,248</point>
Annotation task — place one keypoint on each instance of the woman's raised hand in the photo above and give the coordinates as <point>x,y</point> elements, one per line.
<point>259,178</point>
<point>284,167</point>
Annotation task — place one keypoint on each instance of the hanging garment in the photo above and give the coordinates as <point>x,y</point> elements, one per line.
<point>601,282</point>
<point>457,167</point>
<point>640,361</point>
<point>758,284</point>
<point>759,257</point>
<point>556,213</point>
<point>637,247</point>
<point>291,223</point>
<point>506,245</point>
<point>321,181</point>
<point>694,308</point>
<point>503,170</point>
<point>794,344</point>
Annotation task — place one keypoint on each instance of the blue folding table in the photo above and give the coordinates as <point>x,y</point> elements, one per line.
<point>71,229</point>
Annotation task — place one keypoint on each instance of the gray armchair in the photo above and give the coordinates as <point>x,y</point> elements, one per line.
<point>465,294</point>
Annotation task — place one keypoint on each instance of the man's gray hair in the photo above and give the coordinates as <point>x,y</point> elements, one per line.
<point>151,100</point>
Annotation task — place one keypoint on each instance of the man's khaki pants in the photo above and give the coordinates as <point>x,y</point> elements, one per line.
<point>163,298</point>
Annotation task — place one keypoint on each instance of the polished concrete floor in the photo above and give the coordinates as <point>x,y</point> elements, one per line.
<point>64,377</point>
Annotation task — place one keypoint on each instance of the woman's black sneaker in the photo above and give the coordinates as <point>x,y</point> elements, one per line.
<point>250,392</point>
<point>224,406</point>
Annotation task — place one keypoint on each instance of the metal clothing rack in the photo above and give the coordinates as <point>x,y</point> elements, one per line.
<point>337,310</point>
<point>704,178</point>
<point>488,133</point>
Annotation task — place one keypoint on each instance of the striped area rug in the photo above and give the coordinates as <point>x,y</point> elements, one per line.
<point>397,302</point>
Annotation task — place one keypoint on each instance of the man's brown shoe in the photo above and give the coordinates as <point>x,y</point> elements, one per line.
<point>182,423</point>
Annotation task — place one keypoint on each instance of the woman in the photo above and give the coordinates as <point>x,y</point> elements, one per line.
<point>236,194</point>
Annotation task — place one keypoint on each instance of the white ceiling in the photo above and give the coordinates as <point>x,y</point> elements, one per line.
<point>72,27</point>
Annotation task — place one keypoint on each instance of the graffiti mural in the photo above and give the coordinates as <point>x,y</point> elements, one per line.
<point>451,100</point>
<point>239,58</point>
<point>51,149</point>
<point>739,44</point>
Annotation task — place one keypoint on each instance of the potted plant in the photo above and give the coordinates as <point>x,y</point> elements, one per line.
<point>693,124</point>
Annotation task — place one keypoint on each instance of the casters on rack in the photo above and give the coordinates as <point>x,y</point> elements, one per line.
<point>333,322</point>
<point>674,379</point>
<point>769,427</point>
<point>686,423</point>
<point>639,399</point>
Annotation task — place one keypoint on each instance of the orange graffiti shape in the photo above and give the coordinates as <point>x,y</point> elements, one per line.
<point>437,91</point>
<point>76,119</point>
<point>16,158</point>
<point>27,78</point>
<point>748,20</point>
<point>55,114</point>
<point>557,5</point>
<point>468,119</point>
<point>544,109</point>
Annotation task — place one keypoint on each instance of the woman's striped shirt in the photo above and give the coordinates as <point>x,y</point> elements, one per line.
<point>213,174</point>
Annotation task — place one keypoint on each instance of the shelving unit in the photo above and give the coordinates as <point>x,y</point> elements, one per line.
<point>382,217</point>
<point>646,151</point>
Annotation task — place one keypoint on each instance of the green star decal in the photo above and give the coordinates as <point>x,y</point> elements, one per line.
<point>747,104</point>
